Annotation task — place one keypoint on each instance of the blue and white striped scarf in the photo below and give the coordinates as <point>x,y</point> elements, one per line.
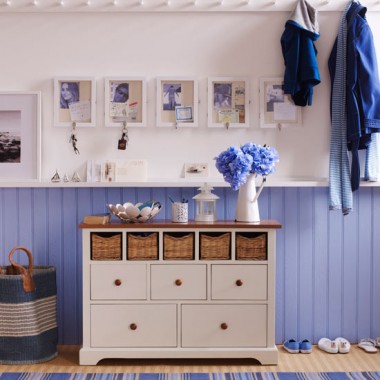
<point>339,175</point>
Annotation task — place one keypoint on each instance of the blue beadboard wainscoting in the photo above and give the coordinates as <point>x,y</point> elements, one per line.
<point>328,266</point>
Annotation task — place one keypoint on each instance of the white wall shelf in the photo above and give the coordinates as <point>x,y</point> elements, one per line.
<point>176,182</point>
<point>169,5</point>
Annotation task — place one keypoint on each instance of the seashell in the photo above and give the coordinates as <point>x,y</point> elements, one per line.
<point>113,209</point>
<point>132,211</point>
<point>120,208</point>
<point>145,211</point>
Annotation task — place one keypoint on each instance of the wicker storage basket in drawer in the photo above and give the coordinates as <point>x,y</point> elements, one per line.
<point>215,247</point>
<point>105,246</point>
<point>178,247</point>
<point>142,246</point>
<point>251,247</point>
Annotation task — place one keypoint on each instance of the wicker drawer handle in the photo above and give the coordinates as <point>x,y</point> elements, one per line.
<point>239,282</point>
<point>117,282</point>
<point>133,326</point>
<point>178,282</point>
<point>224,326</point>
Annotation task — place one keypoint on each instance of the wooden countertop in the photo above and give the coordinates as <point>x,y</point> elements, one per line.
<point>191,224</point>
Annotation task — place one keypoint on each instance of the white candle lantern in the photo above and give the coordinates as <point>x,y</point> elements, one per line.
<point>205,207</point>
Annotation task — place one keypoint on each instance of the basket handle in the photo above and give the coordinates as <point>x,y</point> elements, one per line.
<point>27,279</point>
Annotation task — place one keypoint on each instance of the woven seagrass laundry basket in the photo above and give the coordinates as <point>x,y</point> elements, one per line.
<point>28,312</point>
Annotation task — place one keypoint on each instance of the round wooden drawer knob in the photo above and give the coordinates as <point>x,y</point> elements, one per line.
<point>117,282</point>
<point>178,282</point>
<point>133,326</point>
<point>239,282</point>
<point>224,326</point>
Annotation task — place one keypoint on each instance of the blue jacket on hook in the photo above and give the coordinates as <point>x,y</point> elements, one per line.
<point>362,86</point>
<point>300,54</point>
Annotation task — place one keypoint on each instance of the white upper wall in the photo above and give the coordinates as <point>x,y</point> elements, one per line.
<point>36,47</point>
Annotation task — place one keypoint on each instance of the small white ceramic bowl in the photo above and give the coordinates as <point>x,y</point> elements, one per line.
<point>138,213</point>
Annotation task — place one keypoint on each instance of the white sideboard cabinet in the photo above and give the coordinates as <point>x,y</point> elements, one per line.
<point>171,290</point>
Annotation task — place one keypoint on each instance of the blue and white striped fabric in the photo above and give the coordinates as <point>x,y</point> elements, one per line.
<point>371,168</point>
<point>339,174</point>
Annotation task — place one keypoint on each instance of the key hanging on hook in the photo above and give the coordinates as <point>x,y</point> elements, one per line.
<point>73,138</point>
<point>123,142</point>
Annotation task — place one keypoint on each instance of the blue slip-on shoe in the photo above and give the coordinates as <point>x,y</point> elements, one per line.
<point>292,346</point>
<point>305,347</point>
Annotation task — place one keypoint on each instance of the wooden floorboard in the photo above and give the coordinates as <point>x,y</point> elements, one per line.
<point>317,361</point>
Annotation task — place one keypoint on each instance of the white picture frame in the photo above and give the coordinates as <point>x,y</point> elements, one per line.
<point>128,104</point>
<point>277,110</point>
<point>172,92</point>
<point>228,102</point>
<point>20,130</point>
<point>74,101</point>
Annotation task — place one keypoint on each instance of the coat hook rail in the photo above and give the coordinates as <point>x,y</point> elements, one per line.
<point>171,5</point>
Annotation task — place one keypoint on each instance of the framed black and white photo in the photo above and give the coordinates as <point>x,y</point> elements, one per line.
<point>20,135</point>
<point>74,102</point>
<point>277,109</point>
<point>228,102</point>
<point>125,101</point>
<point>177,102</point>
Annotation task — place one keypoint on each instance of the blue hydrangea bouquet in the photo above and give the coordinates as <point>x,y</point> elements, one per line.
<point>236,164</point>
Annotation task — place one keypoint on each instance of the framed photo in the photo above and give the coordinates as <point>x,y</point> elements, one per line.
<point>277,109</point>
<point>196,169</point>
<point>20,135</point>
<point>74,101</point>
<point>228,102</point>
<point>183,113</point>
<point>125,101</point>
<point>177,102</point>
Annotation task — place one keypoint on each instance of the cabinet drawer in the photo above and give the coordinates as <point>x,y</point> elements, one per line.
<point>239,282</point>
<point>178,282</point>
<point>224,325</point>
<point>120,281</point>
<point>133,325</point>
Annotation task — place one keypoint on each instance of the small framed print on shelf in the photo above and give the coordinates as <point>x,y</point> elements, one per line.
<point>177,102</point>
<point>74,102</point>
<point>228,102</point>
<point>20,136</point>
<point>125,101</point>
<point>277,110</point>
